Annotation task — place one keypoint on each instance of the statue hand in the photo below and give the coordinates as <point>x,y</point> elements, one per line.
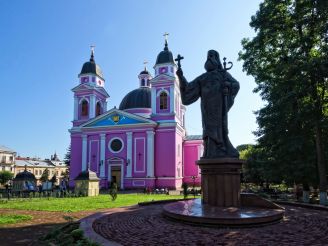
<point>227,84</point>
<point>179,72</point>
<point>227,87</point>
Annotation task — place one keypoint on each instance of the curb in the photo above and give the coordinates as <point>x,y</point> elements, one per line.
<point>302,205</point>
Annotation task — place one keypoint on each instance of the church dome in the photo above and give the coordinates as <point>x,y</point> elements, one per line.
<point>91,67</point>
<point>144,72</point>
<point>138,98</point>
<point>165,56</point>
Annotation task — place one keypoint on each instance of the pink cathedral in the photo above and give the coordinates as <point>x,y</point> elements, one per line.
<point>141,144</point>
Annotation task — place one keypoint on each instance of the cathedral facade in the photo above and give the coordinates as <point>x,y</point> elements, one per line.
<point>141,144</point>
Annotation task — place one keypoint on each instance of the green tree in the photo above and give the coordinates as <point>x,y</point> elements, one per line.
<point>45,175</point>
<point>54,179</point>
<point>5,176</point>
<point>288,58</point>
<point>67,157</point>
<point>66,174</point>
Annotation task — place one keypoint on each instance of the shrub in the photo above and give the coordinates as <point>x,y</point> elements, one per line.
<point>77,234</point>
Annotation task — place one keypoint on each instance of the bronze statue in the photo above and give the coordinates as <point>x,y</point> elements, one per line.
<point>217,90</point>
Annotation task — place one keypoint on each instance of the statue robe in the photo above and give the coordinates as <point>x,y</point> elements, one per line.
<point>210,88</point>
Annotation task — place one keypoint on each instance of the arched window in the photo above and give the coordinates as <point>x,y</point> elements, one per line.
<point>163,100</point>
<point>85,108</point>
<point>98,109</point>
<point>143,82</point>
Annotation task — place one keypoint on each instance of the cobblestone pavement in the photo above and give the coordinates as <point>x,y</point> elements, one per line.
<point>146,226</point>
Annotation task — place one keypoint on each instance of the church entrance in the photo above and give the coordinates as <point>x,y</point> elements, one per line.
<point>116,175</point>
<point>116,171</point>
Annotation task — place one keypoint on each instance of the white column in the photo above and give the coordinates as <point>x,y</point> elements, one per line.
<point>172,99</point>
<point>102,154</point>
<point>129,154</point>
<point>84,152</point>
<point>76,108</point>
<point>150,153</point>
<point>153,100</point>
<point>105,106</point>
<point>92,108</point>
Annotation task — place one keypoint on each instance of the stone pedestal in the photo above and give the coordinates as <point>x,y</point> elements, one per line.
<point>221,203</point>
<point>221,181</point>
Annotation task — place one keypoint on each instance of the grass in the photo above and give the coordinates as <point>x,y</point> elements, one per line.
<point>81,203</point>
<point>13,218</point>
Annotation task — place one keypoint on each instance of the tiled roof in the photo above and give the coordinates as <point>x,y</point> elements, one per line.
<point>30,163</point>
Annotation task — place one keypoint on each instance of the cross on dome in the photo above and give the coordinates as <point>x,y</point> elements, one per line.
<point>166,35</point>
<point>145,64</point>
<point>92,47</point>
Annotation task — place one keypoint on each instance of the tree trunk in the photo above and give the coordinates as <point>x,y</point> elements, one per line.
<point>321,165</point>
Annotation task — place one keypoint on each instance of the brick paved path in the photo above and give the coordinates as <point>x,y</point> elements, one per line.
<point>146,226</point>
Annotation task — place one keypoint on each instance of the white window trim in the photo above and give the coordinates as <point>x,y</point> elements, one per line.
<point>110,142</point>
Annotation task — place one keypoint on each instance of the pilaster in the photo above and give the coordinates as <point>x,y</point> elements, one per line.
<point>150,153</point>
<point>102,154</point>
<point>129,154</point>
<point>84,152</point>
<point>76,108</point>
<point>172,99</point>
<point>92,108</point>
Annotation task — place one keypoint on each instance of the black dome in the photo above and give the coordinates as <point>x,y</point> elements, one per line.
<point>165,56</point>
<point>25,175</point>
<point>144,72</point>
<point>138,98</point>
<point>91,67</point>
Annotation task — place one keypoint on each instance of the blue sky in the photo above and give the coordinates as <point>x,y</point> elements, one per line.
<point>45,43</point>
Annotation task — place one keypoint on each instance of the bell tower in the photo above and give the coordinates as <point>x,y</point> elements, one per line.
<point>144,77</point>
<point>165,90</point>
<point>90,96</point>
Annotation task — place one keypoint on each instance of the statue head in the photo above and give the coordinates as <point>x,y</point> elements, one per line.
<point>213,61</point>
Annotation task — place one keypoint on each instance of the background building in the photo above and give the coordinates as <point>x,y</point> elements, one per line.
<point>7,158</point>
<point>37,167</point>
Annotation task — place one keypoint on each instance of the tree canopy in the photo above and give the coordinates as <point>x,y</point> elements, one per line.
<point>5,176</point>
<point>288,57</point>
<point>45,175</point>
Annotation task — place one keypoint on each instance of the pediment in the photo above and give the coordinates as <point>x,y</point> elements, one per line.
<point>82,87</point>
<point>86,86</point>
<point>162,78</point>
<point>116,117</point>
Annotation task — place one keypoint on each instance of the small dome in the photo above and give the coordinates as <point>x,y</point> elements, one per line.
<point>91,67</point>
<point>144,72</point>
<point>25,175</point>
<point>165,56</point>
<point>138,98</point>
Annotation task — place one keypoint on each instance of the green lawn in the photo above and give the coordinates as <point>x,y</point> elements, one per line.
<point>13,218</point>
<point>81,203</point>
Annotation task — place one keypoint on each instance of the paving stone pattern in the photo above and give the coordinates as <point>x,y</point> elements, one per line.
<point>146,226</point>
